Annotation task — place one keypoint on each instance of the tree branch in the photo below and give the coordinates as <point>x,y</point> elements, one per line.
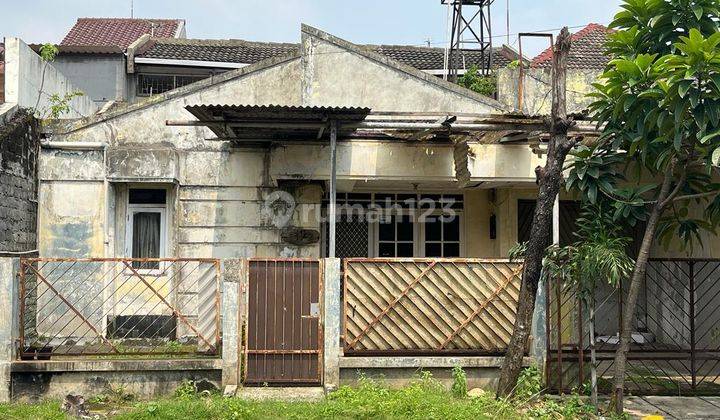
<point>699,195</point>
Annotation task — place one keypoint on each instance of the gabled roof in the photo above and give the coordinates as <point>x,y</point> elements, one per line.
<point>119,32</point>
<point>587,50</point>
<point>248,52</point>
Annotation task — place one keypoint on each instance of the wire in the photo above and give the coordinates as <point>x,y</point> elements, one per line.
<point>515,34</point>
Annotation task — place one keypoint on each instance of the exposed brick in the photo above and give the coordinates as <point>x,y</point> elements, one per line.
<point>19,146</point>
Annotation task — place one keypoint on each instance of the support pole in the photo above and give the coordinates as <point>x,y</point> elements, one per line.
<point>556,221</point>
<point>333,188</point>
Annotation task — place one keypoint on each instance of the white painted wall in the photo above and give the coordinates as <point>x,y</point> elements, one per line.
<point>30,82</point>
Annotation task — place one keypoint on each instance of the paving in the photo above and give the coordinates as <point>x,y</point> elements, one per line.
<point>674,407</point>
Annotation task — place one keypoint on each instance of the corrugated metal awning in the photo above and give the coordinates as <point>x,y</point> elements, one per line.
<point>276,122</point>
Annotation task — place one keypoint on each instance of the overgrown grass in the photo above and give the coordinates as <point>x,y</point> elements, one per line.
<point>425,398</point>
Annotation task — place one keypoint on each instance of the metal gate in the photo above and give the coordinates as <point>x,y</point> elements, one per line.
<point>283,339</point>
<point>676,339</point>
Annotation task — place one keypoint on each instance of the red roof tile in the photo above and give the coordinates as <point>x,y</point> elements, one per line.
<point>118,32</point>
<point>587,50</point>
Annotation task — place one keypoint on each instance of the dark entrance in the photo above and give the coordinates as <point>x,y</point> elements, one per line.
<point>283,330</point>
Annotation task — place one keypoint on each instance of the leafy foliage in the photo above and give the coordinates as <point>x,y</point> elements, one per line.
<point>459,385</point>
<point>659,103</point>
<point>598,254</point>
<point>48,52</point>
<point>473,80</point>
<point>60,105</point>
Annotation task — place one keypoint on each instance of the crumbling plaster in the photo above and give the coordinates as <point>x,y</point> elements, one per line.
<point>221,189</point>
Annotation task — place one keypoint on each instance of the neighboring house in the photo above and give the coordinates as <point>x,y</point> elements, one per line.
<point>92,54</point>
<point>128,59</point>
<point>163,64</point>
<point>586,62</point>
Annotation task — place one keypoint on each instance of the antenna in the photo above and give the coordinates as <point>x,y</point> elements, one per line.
<point>507,20</point>
<point>132,9</point>
<point>471,31</point>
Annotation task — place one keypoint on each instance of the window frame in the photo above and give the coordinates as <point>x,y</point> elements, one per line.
<point>133,209</point>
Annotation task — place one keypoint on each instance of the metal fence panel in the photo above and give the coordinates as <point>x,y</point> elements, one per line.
<point>120,307</point>
<point>676,340</point>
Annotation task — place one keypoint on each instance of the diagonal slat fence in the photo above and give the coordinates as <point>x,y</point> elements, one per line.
<point>429,306</point>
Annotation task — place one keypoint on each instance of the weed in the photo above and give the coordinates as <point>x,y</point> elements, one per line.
<point>528,385</point>
<point>186,390</point>
<point>459,385</point>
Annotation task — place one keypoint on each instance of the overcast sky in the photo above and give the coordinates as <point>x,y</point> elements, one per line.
<point>410,22</point>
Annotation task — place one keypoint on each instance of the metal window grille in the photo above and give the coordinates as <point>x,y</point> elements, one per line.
<point>153,84</point>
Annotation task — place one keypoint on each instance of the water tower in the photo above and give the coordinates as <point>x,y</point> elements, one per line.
<point>470,31</point>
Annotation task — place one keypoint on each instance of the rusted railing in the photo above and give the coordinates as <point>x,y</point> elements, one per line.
<point>118,307</point>
<point>675,347</point>
<point>418,306</point>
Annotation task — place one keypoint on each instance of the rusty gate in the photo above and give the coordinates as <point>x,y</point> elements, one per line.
<point>676,338</point>
<point>283,334</point>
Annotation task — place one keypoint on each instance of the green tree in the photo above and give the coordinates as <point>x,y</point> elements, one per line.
<point>658,104</point>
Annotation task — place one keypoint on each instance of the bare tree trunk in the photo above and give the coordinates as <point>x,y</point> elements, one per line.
<point>628,311</point>
<point>549,179</point>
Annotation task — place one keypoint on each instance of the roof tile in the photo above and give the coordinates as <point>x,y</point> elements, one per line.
<point>246,52</point>
<point>586,52</point>
<point>118,32</point>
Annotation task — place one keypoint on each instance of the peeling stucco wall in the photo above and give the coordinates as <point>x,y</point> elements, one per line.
<point>220,192</point>
<point>537,99</point>
<point>19,147</point>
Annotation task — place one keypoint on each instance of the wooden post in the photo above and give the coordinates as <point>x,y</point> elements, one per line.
<point>332,210</point>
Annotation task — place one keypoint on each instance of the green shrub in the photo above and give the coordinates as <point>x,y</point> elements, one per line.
<point>459,386</point>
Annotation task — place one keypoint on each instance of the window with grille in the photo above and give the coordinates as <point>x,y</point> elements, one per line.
<point>398,225</point>
<point>153,84</point>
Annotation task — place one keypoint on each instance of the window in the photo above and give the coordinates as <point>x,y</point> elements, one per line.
<point>153,84</point>
<point>442,236</point>
<point>396,236</point>
<point>146,226</point>
<point>404,225</point>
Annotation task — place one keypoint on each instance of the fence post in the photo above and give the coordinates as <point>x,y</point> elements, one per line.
<point>331,324</point>
<point>9,322</point>
<point>233,279</point>
<point>539,332</point>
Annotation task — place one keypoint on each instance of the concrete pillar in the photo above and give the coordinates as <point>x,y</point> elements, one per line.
<point>234,276</point>
<point>9,322</point>
<point>331,324</point>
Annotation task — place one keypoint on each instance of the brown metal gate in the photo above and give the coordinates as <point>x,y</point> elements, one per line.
<point>676,340</point>
<point>283,341</point>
